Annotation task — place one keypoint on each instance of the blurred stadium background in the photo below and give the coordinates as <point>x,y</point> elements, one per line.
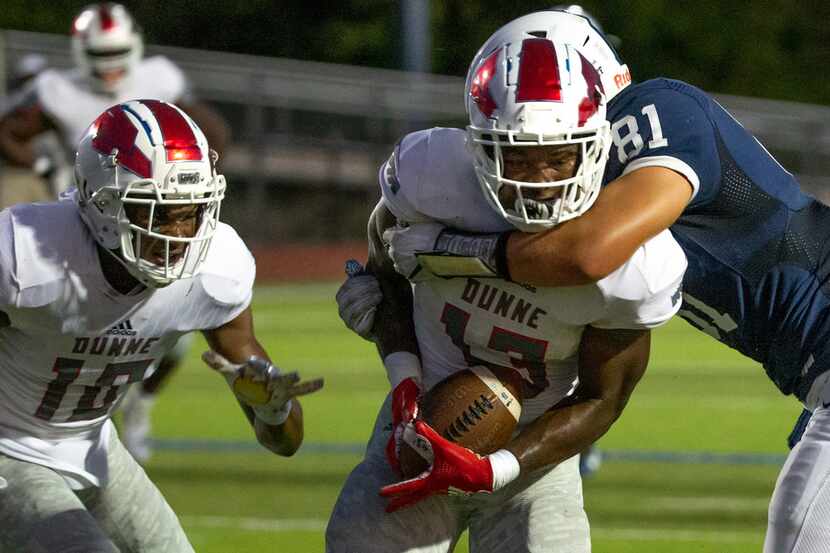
<point>316,95</point>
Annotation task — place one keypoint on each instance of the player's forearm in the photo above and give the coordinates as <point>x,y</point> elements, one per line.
<point>611,364</point>
<point>16,152</point>
<point>393,320</point>
<point>581,251</point>
<point>283,439</point>
<point>563,432</point>
<point>17,129</point>
<point>547,259</point>
<point>236,342</point>
<point>393,326</point>
<point>629,211</point>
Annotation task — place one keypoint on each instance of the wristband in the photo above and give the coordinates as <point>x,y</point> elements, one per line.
<point>401,365</point>
<point>489,251</point>
<point>273,416</point>
<point>505,468</point>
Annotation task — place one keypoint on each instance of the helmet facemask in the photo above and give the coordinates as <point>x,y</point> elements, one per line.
<point>138,215</point>
<point>536,206</point>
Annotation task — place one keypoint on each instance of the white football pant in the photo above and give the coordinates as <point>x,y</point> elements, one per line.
<point>799,512</point>
<point>41,514</point>
<point>538,513</point>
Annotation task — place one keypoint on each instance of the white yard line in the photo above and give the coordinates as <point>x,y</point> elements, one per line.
<point>678,535</point>
<point>708,504</point>
<point>629,534</point>
<point>255,523</point>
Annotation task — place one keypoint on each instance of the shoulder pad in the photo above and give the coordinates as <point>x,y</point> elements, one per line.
<point>227,274</point>
<point>430,177</point>
<point>161,79</point>
<point>53,87</point>
<point>50,242</point>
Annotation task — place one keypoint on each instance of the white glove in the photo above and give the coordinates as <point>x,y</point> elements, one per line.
<point>260,384</point>
<point>358,299</point>
<point>403,243</point>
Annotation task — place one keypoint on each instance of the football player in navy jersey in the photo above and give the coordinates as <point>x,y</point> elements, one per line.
<point>756,244</point>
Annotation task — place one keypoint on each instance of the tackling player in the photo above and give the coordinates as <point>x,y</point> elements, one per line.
<point>580,351</point>
<point>107,47</point>
<point>92,293</point>
<point>757,250</point>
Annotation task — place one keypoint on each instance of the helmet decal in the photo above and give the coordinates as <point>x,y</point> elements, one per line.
<point>480,89</point>
<point>177,136</point>
<point>539,79</point>
<point>107,22</point>
<point>114,131</point>
<point>590,105</point>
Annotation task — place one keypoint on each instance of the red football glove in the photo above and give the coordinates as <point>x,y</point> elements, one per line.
<point>404,410</point>
<point>455,469</point>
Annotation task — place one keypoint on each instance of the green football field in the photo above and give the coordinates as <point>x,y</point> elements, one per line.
<point>689,467</point>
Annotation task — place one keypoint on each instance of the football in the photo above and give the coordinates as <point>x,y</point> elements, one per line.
<point>477,408</point>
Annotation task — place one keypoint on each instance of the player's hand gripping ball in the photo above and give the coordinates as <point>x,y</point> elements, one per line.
<point>477,408</point>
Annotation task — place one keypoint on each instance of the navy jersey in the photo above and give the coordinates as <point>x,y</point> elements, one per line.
<point>757,246</point>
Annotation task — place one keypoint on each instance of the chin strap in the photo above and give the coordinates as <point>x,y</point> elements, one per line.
<point>141,283</point>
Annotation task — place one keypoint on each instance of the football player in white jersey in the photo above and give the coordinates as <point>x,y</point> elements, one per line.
<point>533,158</point>
<point>92,293</point>
<point>107,47</point>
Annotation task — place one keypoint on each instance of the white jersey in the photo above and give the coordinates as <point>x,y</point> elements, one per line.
<point>536,331</point>
<point>67,99</point>
<point>72,343</point>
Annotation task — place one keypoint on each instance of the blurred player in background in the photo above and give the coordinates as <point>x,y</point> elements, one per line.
<point>23,184</point>
<point>757,250</point>
<point>580,355</point>
<point>92,293</point>
<point>107,47</point>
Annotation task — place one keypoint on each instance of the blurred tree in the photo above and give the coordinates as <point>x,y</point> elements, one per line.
<point>775,49</point>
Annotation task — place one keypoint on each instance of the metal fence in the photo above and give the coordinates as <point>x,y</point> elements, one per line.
<point>324,128</point>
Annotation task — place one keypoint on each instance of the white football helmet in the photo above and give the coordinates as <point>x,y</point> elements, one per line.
<point>105,38</point>
<point>148,153</point>
<point>543,79</point>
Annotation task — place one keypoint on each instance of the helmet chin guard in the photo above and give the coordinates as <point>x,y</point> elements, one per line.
<point>151,156</point>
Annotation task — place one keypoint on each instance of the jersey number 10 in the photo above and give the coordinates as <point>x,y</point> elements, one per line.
<point>68,371</point>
